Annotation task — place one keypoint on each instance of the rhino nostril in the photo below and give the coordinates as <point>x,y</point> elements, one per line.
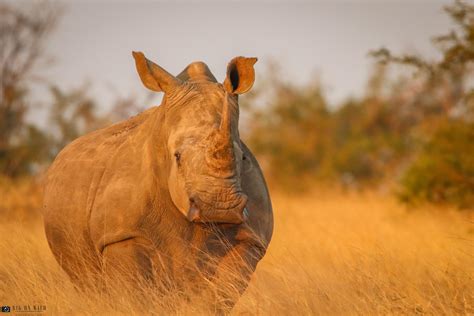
<point>194,213</point>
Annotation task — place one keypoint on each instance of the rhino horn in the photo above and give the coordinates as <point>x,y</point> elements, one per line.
<point>220,154</point>
<point>153,76</point>
<point>225,126</point>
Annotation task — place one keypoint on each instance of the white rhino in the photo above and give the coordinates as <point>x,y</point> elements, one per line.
<point>171,188</point>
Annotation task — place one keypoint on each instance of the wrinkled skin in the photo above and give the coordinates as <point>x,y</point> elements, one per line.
<point>167,190</point>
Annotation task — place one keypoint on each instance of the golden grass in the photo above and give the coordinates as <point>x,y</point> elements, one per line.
<point>332,254</point>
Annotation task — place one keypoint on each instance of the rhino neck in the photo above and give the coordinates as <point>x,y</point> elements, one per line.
<point>154,154</point>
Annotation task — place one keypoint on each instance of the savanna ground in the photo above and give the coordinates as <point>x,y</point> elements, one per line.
<point>333,253</point>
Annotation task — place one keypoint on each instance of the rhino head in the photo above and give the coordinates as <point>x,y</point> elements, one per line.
<point>204,155</point>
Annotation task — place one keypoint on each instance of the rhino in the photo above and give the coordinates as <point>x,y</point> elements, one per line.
<point>168,189</point>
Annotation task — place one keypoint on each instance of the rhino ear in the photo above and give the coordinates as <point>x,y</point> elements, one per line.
<point>240,75</point>
<point>153,76</point>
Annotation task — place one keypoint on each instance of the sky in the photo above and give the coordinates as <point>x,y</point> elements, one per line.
<point>327,39</point>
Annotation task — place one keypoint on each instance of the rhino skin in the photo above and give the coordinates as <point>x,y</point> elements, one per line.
<point>166,192</point>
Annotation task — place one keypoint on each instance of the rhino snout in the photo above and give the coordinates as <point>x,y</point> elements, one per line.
<point>201,212</point>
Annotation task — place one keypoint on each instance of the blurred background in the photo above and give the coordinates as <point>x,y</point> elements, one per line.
<point>362,118</point>
<point>353,94</point>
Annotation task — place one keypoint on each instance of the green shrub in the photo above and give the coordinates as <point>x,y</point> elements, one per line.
<point>443,172</point>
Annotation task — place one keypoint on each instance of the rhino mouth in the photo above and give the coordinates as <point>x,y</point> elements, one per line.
<point>199,213</point>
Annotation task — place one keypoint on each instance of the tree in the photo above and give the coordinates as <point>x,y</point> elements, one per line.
<point>442,171</point>
<point>23,31</point>
<point>289,133</point>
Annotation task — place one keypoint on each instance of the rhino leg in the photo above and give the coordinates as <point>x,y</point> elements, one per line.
<point>75,255</point>
<point>234,272</point>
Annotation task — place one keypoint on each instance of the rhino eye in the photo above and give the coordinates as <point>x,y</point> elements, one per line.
<point>177,156</point>
<point>244,157</point>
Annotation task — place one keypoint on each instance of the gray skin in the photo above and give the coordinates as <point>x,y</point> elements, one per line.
<point>165,192</point>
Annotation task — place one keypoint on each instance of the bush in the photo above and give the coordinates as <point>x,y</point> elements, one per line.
<point>443,172</point>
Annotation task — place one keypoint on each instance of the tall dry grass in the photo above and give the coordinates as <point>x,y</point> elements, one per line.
<point>332,254</point>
